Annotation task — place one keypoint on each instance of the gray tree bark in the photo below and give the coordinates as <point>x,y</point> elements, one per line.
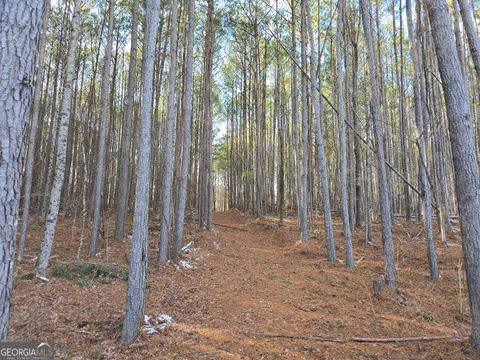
<point>467,178</point>
<point>134,304</point>
<point>368,189</point>
<point>403,121</point>
<point>377,128</point>
<point>19,34</point>
<point>360,212</point>
<point>61,153</point>
<point>27,187</point>
<point>187,132</point>
<point>294,94</point>
<point>169,141</point>
<point>104,116</point>
<point>343,147</point>
<point>205,176</point>
<point>458,36</point>
<point>472,35</point>
<point>304,114</point>
<point>123,176</point>
<point>426,191</point>
<point>316,99</point>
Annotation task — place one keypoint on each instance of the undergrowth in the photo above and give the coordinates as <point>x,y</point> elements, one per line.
<point>85,272</point>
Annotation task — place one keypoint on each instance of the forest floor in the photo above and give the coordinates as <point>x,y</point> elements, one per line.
<point>248,292</point>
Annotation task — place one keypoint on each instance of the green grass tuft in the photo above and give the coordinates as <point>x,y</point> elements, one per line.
<point>28,276</point>
<point>271,275</point>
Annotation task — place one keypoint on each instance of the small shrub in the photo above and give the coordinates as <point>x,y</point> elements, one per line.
<point>64,271</point>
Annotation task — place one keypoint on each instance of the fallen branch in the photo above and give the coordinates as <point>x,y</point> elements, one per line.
<point>407,339</point>
<point>316,338</point>
<point>229,227</point>
<point>361,339</point>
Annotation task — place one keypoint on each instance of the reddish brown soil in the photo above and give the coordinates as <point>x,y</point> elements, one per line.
<point>248,284</point>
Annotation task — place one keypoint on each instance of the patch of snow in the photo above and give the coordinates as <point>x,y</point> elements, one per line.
<point>161,322</point>
<point>164,321</point>
<point>164,318</point>
<point>149,329</point>
<point>184,264</point>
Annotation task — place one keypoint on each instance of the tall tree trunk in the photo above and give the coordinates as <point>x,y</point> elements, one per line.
<point>383,190</point>
<point>123,176</point>
<point>296,151</point>
<point>368,190</point>
<point>343,147</point>
<point>104,116</point>
<point>61,153</point>
<point>403,121</point>
<point>304,115</point>
<point>426,191</point>
<point>358,149</point>
<point>27,187</point>
<point>169,141</point>
<point>327,215</point>
<point>134,305</point>
<point>205,181</point>
<point>19,34</point>
<point>467,178</point>
<point>49,163</point>
<point>279,112</point>
<point>187,131</point>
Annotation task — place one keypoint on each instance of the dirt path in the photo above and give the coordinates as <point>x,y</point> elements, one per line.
<point>247,285</point>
